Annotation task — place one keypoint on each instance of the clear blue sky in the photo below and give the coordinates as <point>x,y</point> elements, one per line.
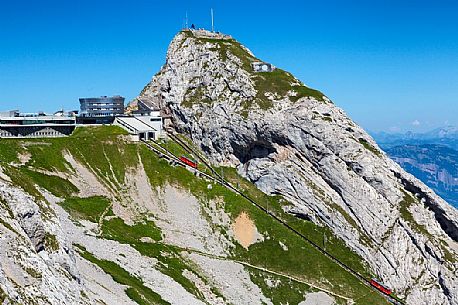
<point>388,64</point>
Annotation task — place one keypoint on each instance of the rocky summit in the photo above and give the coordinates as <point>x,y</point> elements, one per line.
<point>290,202</point>
<point>292,141</point>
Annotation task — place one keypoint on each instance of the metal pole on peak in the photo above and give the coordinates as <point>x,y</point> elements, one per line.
<point>186,20</point>
<point>213,27</point>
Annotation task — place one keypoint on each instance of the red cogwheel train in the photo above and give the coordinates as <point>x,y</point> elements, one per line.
<point>380,287</point>
<point>189,162</point>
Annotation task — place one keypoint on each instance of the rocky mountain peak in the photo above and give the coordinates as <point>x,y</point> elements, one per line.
<point>291,141</point>
<point>214,68</point>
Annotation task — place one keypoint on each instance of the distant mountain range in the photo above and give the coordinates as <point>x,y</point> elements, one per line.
<point>432,157</point>
<point>435,165</point>
<point>447,136</point>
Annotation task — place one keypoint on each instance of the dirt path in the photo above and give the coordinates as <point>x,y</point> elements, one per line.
<point>349,300</point>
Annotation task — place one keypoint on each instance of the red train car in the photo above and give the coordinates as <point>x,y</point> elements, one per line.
<point>188,162</point>
<point>380,287</point>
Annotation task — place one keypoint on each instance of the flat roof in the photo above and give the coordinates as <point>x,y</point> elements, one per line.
<point>37,118</point>
<point>135,123</point>
<point>103,97</point>
<point>8,113</point>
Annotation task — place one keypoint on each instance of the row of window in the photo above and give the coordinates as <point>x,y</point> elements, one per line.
<point>35,134</point>
<point>36,122</point>
<point>104,104</point>
<point>104,109</point>
<point>46,133</point>
<point>99,114</point>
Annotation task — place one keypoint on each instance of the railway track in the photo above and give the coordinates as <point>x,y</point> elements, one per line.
<point>162,151</point>
<point>197,155</point>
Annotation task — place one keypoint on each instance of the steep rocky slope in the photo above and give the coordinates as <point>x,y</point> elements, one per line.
<point>97,218</point>
<point>37,263</point>
<point>293,142</point>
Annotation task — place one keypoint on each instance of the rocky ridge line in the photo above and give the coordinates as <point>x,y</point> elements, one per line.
<point>291,140</point>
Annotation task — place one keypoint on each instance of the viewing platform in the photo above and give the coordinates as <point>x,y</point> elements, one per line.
<point>202,33</point>
<point>17,125</point>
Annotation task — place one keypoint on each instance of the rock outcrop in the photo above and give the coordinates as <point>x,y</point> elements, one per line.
<point>292,141</point>
<point>36,260</point>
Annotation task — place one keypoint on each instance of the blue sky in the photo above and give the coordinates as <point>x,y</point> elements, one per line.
<point>391,65</point>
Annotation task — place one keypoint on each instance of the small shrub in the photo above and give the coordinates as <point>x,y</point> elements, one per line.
<point>51,243</point>
<point>369,147</point>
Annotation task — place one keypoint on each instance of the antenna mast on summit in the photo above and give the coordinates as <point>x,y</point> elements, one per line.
<point>213,27</point>
<point>186,20</point>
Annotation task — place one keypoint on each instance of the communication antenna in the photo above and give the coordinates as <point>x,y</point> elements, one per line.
<point>213,27</point>
<point>186,20</point>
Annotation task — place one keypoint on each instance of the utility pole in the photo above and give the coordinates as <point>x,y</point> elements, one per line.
<point>324,240</point>
<point>213,24</point>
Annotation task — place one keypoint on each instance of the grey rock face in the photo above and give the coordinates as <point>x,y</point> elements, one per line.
<point>32,272</point>
<point>30,220</point>
<point>308,150</point>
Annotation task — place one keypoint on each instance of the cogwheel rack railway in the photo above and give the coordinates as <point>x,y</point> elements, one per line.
<point>192,165</point>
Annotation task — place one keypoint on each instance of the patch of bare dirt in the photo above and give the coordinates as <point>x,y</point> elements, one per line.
<point>245,230</point>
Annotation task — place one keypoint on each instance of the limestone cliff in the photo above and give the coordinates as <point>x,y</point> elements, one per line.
<point>96,218</point>
<point>292,141</point>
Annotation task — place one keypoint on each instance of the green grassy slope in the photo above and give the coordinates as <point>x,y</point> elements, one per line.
<point>106,152</point>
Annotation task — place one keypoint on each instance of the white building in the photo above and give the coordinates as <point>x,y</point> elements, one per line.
<point>142,127</point>
<point>260,66</point>
<point>35,125</point>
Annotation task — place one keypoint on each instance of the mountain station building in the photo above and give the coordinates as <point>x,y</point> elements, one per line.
<point>143,124</point>
<point>36,125</point>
